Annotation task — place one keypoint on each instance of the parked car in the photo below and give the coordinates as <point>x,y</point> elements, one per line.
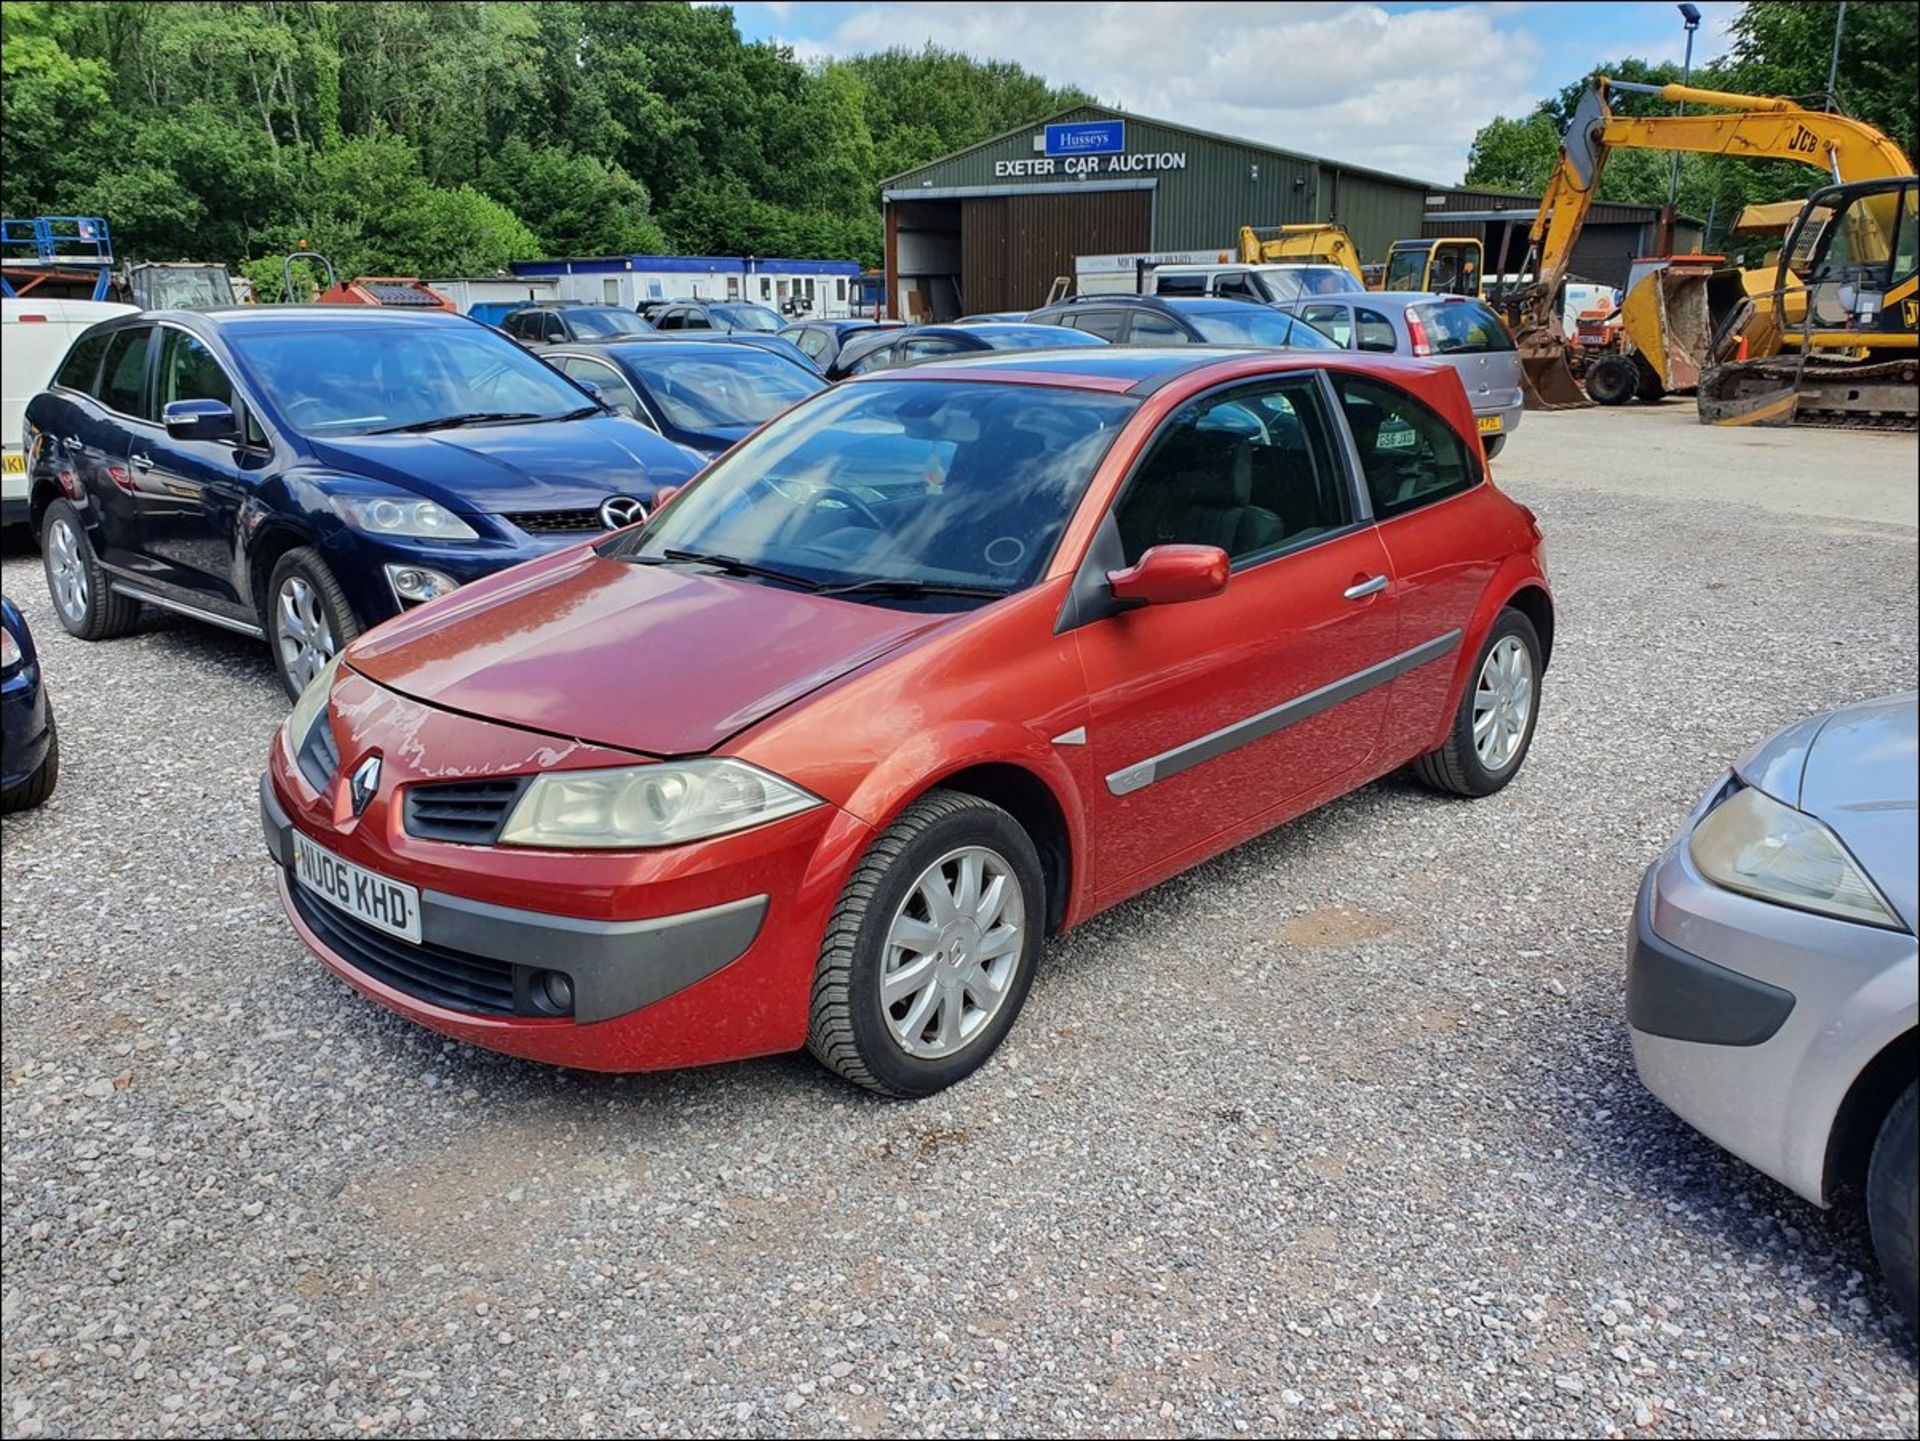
<point>775,344</point>
<point>722,315</point>
<point>301,473</point>
<point>34,334</point>
<point>1264,283</point>
<point>1773,989</point>
<point>706,397</point>
<point>821,340</point>
<point>938,663</point>
<point>1456,330</point>
<point>555,322</point>
<point>990,317</point>
<point>29,744</point>
<point>920,343</point>
<point>1152,320</point>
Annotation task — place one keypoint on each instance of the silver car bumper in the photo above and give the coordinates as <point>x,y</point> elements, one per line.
<point>1751,1020</point>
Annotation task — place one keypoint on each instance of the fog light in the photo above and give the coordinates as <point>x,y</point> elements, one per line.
<point>554,991</point>
<point>415,584</point>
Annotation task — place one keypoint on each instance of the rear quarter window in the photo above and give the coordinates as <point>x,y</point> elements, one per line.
<point>1464,327</point>
<point>82,365</point>
<point>1410,456</point>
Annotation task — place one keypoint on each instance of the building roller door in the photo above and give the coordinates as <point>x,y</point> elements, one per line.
<point>1012,246</point>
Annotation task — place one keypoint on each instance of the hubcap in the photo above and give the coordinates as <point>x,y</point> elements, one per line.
<point>301,630</point>
<point>951,952</point>
<point>67,571</point>
<point>1503,703</point>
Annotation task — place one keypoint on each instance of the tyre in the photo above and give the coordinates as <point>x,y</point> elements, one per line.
<point>1893,1192</point>
<point>1612,380</point>
<point>308,618</point>
<point>37,787</point>
<point>932,949</point>
<point>81,598</point>
<point>1493,728</point>
<point>1495,444</point>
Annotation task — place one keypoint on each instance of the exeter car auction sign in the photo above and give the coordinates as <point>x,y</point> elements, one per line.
<point>1087,147</point>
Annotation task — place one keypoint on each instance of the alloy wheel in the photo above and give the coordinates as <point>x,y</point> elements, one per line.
<point>1503,703</point>
<point>67,570</point>
<point>302,631</point>
<point>951,952</point>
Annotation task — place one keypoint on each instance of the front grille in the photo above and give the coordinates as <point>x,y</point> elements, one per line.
<point>451,979</point>
<point>468,812</point>
<point>319,756</point>
<point>557,522</point>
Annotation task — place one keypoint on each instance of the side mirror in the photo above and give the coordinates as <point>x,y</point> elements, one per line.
<point>200,420</point>
<point>591,387</point>
<point>1168,574</point>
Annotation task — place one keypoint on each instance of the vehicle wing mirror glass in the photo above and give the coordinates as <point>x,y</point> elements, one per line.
<point>200,420</point>
<point>592,387</point>
<point>1168,574</point>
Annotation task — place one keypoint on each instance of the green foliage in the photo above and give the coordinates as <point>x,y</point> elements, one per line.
<point>1781,47</point>
<point>449,136</point>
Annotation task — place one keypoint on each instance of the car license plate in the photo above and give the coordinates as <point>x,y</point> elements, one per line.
<point>16,463</point>
<point>390,906</point>
<point>1489,424</point>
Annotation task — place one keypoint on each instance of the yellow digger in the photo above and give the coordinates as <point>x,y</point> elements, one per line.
<point>1688,329</point>
<point>1446,266</point>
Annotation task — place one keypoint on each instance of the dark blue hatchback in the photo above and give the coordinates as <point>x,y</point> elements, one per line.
<point>29,746</point>
<point>303,473</point>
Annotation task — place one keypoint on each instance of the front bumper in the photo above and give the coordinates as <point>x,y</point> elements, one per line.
<point>682,956</point>
<point>1751,1020</point>
<point>25,731</point>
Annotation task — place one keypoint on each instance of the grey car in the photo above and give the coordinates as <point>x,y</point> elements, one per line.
<point>1454,329</point>
<point>1773,989</point>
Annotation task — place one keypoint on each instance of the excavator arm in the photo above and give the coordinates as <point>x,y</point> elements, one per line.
<point>1751,126</point>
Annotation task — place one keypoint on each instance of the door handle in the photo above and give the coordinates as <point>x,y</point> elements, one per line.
<point>72,442</point>
<point>1360,590</point>
<point>140,462</point>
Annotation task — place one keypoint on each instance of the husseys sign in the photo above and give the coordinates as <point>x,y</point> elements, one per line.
<point>1089,147</point>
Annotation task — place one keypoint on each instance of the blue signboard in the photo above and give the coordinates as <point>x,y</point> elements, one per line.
<point>1087,137</point>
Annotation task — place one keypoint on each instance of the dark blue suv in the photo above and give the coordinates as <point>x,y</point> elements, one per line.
<point>301,473</point>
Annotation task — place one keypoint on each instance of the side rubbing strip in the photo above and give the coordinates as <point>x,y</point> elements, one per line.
<point>1170,763</point>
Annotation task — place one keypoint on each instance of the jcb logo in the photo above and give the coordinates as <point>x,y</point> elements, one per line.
<point>1910,314</point>
<point>1803,140</point>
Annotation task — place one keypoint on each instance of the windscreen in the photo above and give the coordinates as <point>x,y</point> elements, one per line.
<point>745,388</point>
<point>1256,325</point>
<point>1463,327</point>
<point>365,377</point>
<point>595,324</point>
<point>897,481</point>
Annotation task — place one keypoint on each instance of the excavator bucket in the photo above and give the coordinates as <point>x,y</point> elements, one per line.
<point>1546,381</point>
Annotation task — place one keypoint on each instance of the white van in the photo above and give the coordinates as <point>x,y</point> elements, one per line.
<point>34,336</point>
<point>1176,273</point>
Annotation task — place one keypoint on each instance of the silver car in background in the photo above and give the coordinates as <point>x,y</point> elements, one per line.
<point>1455,330</point>
<point>1773,989</point>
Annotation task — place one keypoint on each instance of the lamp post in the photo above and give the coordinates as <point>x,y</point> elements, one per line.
<point>1690,14</point>
<point>1833,66</point>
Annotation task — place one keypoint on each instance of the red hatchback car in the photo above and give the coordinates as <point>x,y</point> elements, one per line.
<point>936,664</point>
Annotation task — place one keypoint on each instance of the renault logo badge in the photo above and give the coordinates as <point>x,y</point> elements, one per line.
<point>366,780</point>
<point>621,510</point>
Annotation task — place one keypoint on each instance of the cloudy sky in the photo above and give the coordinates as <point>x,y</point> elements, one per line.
<point>1401,87</point>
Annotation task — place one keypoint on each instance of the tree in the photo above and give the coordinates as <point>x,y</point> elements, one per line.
<point>1514,155</point>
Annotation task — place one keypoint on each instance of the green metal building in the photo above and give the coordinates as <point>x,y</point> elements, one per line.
<point>990,227</point>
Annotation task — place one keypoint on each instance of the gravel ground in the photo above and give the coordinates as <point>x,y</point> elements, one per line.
<point>1337,1135</point>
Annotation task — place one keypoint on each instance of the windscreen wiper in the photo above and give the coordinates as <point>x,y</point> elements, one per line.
<point>581,414</point>
<point>450,422</point>
<point>733,565</point>
<point>899,586</point>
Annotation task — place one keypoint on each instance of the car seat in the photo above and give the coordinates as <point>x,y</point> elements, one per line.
<point>1198,491</point>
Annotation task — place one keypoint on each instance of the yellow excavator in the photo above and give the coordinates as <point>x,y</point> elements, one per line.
<point>1829,320</point>
<point>1447,266</point>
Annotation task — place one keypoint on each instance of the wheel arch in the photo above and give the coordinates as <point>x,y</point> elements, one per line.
<point>1532,601</point>
<point>1856,1125</point>
<point>1028,798</point>
<point>275,536</point>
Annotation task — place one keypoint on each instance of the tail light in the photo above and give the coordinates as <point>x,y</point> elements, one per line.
<point>1417,333</point>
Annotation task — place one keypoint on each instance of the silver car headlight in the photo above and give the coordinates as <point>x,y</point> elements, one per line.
<point>649,805</point>
<point>312,704</point>
<point>401,516</point>
<point>1753,844</point>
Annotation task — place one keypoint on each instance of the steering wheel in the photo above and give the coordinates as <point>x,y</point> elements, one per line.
<point>301,403</point>
<point>851,501</point>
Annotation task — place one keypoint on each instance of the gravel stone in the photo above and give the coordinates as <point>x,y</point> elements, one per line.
<point>1338,1135</point>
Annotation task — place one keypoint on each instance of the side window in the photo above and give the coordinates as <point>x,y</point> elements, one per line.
<point>555,328</point>
<point>1180,285</point>
<point>811,342</point>
<point>879,358</point>
<point>123,380</point>
<point>1410,455</point>
<point>695,320</point>
<point>1107,324</point>
<point>610,290</point>
<point>188,371</point>
<point>929,347</point>
<point>668,319</point>
<point>82,365</point>
<point>1150,328</point>
<point>612,386</point>
<point>1249,470</point>
<point>1333,321</point>
<point>1237,285</point>
<point>1376,332</point>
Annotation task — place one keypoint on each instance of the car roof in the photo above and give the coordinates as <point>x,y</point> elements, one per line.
<point>661,346</point>
<point>248,316</point>
<point>1140,370</point>
<point>988,328</point>
<point>1199,304</point>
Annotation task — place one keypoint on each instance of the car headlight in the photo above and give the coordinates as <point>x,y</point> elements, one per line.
<point>1753,844</point>
<point>9,650</point>
<point>311,705</point>
<point>649,805</point>
<point>396,515</point>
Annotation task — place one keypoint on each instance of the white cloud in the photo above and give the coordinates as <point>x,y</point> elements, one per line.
<point>1401,91</point>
